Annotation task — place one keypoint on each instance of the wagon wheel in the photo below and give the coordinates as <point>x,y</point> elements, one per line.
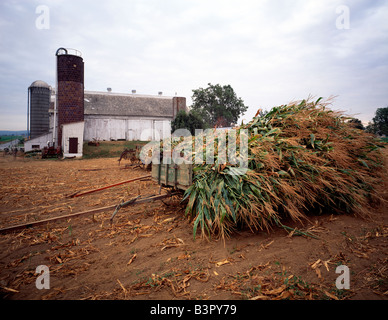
<point>175,196</point>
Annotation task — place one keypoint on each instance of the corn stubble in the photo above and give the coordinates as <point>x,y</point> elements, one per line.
<point>302,158</point>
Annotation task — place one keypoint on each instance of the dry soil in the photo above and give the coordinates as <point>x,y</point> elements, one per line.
<point>149,251</point>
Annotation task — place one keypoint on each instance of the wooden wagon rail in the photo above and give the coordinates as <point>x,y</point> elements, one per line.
<point>133,201</point>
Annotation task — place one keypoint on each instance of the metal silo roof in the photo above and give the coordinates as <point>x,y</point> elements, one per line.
<point>39,84</point>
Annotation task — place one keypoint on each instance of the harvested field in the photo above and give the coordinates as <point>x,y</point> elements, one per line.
<point>149,251</point>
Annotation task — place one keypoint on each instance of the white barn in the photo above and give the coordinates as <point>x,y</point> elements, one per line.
<point>120,116</point>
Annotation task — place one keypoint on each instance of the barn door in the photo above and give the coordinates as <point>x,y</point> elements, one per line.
<point>73,145</point>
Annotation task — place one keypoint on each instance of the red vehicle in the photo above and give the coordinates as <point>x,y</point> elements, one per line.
<point>51,152</point>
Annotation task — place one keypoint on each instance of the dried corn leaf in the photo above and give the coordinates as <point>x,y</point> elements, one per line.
<point>132,259</point>
<point>221,263</point>
<point>326,264</point>
<point>260,297</point>
<point>9,289</point>
<point>316,264</point>
<point>332,296</point>
<point>275,291</point>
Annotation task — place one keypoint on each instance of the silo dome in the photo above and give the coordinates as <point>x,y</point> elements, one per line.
<point>39,84</point>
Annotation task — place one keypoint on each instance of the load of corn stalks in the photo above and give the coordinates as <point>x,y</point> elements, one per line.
<point>302,158</point>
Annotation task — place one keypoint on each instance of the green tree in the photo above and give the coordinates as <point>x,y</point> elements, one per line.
<point>218,105</point>
<point>190,121</point>
<point>379,123</point>
<point>357,123</point>
<point>370,128</point>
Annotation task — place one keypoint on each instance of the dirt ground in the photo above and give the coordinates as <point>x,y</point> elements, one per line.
<point>149,251</point>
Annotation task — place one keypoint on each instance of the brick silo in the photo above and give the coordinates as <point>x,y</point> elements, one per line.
<point>70,88</point>
<point>178,104</point>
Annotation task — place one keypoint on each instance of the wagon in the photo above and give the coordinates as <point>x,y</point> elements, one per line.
<point>173,175</point>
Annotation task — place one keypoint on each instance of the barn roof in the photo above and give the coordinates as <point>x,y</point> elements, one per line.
<point>121,104</point>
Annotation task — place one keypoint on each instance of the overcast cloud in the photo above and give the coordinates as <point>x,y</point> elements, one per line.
<point>270,52</point>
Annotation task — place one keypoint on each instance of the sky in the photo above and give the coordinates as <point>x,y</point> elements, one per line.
<point>270,51</point>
